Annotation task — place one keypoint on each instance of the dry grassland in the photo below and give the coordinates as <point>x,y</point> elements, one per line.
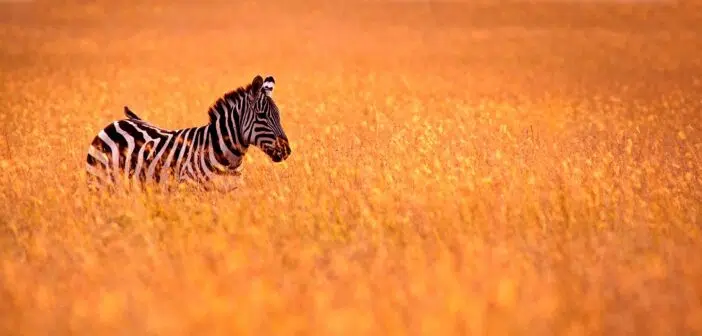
<point>456,169</point>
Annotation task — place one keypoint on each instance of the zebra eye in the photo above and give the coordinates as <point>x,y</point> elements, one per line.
<point>261,115</point>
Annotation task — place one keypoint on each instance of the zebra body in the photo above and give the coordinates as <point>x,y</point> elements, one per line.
<point>135,149</point>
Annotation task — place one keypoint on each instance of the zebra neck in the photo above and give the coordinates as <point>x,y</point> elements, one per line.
<point>224,115</point>
<point>222,156</point>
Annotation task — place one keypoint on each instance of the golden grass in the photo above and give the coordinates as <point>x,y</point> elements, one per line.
<point>447,176</point>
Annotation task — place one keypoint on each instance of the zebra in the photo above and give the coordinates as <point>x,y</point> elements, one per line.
<point>135,149</point>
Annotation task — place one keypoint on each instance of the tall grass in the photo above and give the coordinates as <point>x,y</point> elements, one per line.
<point>444,178</point>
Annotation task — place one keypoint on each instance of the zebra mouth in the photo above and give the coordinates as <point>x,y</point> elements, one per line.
<point>279,152</point>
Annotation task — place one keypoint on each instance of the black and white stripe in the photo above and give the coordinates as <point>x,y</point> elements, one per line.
<point>135,149</point>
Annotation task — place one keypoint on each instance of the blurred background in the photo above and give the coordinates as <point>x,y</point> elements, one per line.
<point>494,46</point>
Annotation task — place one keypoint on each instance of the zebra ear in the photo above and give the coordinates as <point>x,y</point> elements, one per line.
<point>256,84</point>
<point>268,85</point>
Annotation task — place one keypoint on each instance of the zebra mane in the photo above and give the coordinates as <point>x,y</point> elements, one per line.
<point>231,95</point>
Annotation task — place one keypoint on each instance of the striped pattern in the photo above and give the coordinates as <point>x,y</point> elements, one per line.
<point>135,149</point>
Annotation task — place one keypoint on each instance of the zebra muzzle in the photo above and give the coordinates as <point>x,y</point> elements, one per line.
<point>280,150</point>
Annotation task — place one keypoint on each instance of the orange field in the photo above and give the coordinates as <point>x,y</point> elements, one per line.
<point>457,168</point>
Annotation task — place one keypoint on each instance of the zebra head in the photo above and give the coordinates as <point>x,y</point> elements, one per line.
<point>265,131</point>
